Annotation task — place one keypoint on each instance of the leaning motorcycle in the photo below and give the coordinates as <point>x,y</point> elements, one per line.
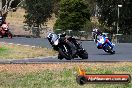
<point>66,48</point>
<point>104,43</point>
<point>4,31</point>
<point>82,53</point>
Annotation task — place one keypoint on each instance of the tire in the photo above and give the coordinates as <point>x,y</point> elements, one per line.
<point>9,35</point>
<point>81,80</point>
<point>83,54</point>
<point>109,50</point>
<point>1,36</point>
<point>112,52</point>
<point>60,57</point>
<point>64,54</point>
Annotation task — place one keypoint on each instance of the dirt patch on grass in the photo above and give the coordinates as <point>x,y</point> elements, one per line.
<point>58,75</point>
<point>16,20</point>
<point>26,68</point>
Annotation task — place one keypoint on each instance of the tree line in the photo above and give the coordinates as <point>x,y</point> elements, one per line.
<point>76,14</point>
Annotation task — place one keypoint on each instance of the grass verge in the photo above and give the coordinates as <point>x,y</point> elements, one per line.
<point>12,51</point>
<point>58,75</point>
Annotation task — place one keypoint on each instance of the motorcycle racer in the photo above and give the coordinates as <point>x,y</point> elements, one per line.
<point>62,37</point>
<point>65,46</point>
<point>101,40</point>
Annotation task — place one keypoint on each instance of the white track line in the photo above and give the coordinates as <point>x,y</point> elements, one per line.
<point>21,45</point>
<point>29,46</point>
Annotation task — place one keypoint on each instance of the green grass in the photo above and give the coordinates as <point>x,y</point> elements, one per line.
<point>64,78</point>
<point>3,51</point>
<point>12,51</point>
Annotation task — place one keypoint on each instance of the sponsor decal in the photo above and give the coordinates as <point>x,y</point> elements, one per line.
<point>84,78</point>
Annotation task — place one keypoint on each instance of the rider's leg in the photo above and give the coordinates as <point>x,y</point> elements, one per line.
<point>72,47</point>
<point>74,41</point>
<point>110,44</point>
<point>99,45</point>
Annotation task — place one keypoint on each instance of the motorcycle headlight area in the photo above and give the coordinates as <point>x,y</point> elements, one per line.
<point>56,42</point>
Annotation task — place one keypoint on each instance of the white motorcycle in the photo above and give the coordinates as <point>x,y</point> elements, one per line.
<point>66,48</point>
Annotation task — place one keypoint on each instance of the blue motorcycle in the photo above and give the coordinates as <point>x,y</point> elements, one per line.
<point>104,43</point>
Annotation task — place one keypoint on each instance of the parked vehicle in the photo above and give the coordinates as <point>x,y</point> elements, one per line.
<point>68,48</point>
<point>5,31</point>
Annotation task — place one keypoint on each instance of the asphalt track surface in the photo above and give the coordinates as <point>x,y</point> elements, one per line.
<point>123,52</point>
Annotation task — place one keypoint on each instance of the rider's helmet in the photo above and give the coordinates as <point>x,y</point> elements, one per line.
<point>49,35</point>
<point>5,26</point>
<point>63,34</point>
<point>52,36</point>
<point>96,31</point>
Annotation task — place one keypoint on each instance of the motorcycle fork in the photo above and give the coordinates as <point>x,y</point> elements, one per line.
<point>65,48</point>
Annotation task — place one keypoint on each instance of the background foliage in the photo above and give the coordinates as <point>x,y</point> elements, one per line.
<point>77,14</point>
<point>73,15</point>
<point>38,11</point>
<point>108,14</point>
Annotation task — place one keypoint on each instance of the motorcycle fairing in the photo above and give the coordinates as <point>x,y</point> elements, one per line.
<point>102,42</point>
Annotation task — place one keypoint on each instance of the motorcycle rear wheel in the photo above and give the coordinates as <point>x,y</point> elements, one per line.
<point>83,54</point>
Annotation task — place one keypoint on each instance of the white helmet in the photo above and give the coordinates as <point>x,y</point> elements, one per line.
<point>95,30</point>
<point>49,35</point>
<point>5,26</point>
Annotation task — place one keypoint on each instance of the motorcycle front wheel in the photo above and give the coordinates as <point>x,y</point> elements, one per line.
<point>1,36</point>
<point>64,54</point>
<point>60,56</point>
<point>109,50</point>
<point>10,35</point>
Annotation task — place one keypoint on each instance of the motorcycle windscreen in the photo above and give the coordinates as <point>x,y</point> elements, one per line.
<point>54,37</point>
<point>101,39</point>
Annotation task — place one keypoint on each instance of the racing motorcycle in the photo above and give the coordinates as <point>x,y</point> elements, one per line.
<point>103,42</point>
<point>68,48</point>
<point>4,31</point>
